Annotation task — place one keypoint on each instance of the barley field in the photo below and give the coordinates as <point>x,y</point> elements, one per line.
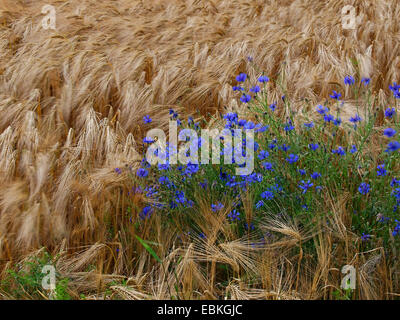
<point>75,193</point>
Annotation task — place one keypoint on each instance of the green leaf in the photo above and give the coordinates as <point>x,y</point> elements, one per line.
<point>148,248</point>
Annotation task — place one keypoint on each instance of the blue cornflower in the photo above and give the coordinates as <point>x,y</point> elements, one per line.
<point>395,182</point>
<point>267,195</point>
<point>249,125</point>
<point>336,95</point>
<point>272,106</point>
<point>241,77</point>
<point>255,89</point>
<point>245,98</point>
<point>305,185</point>
<point>142,173</point>
<point>337,121</point>
<point>263,154</point>
<point>231,116</point>
<point>393,146</point>
<point>328,118</point>
<point>396,230</point>
<point>339,151</point>
<point>148,140</point>
<point>260,128</point>
<point>315,175</point>
<point>353,149</point>
<point>259,204</point>
<point>389,132</point>
<point>349,80</point>
<point>146,212</point>
<point>163,180</point>
<point>309,125</point>
<point>364,188</point>
<point>289,126</point>
<point>147,119</point>
<point>234,215</point>
<point>285,147</point>
<point>366,81</point>
<point>263,79</point>
<point>268,166</point>
<point>394,87</point>
<point>322,110</point>
<point>302,172</point>
<point>365,237</point>
<point>292,158</point>
<point>389,112</point>
<point>217,207</point>
<point>381,171</point>
<point>313,146</point>
<point>237,88</point>
<point>355,119</point>
<point>118,170</point>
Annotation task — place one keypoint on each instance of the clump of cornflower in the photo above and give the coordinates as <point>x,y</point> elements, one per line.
<point>263,79</point>
<point>364,188</point>
<point>241,77</point>
<point>237,88</point>
<point>315,175</point>
<point>381,171</point>
<point>366,81</point>
<point>395,182</point>
<point>142,173</point>
<point>234,215</point>
<point>394,87</point>
<point>217,207</point>
<point>284,147</point>
<point>328,117</point>
<point>353,149</point>
<point>259,204</point>
<point>249,125</point>
<point>267,195</point>
<point>336,95</point>
<point>322,110</point>
<point>148,140</point>
<point>289,126</point>
<point>293,158</point>
<point>263,154</point>
<point>389,132</point>
<point>349,80</point>
<point>337,121</point>
<point>267,166</point>
<point>147,119</point>
<point>302,172</point>
<point>245,98</point>
<point>393,146</point>
<point>255,89</point>
<point>389,112</point>
<point>339,151</point>
<point>309,125</point>
<point>396,230</point>
<point>146,212</point>
<point>356,118</point>
<point>313,146</point>
<point>305,185</point>
<point>365,237</point>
